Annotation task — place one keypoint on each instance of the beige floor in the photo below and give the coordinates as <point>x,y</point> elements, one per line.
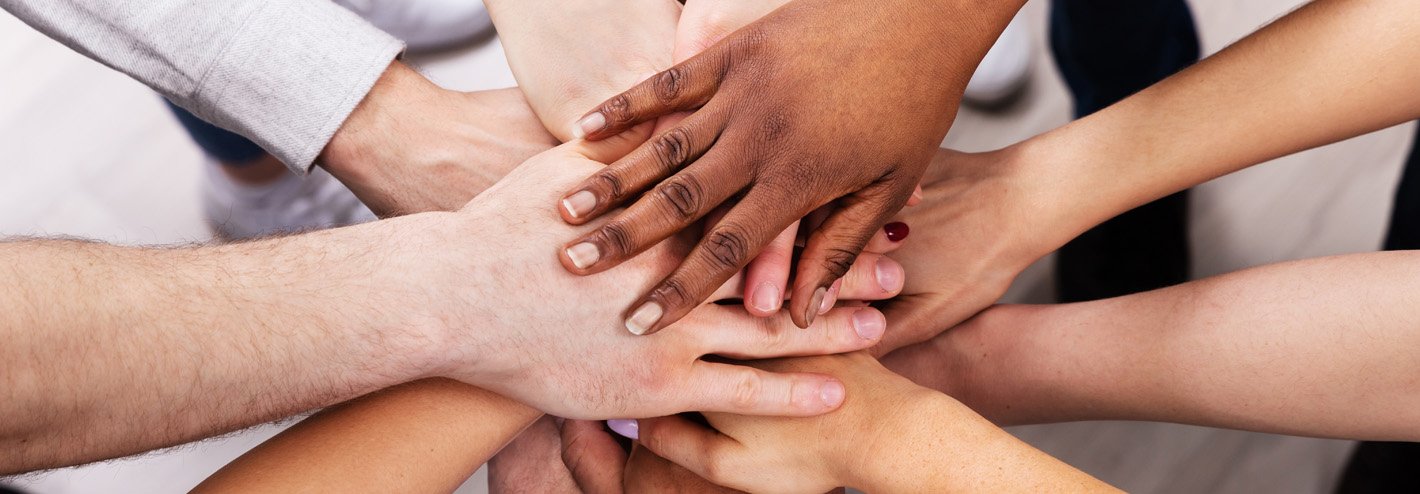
<point>90,153</point>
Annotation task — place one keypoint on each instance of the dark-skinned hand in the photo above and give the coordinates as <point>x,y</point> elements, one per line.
<point>819,102</point>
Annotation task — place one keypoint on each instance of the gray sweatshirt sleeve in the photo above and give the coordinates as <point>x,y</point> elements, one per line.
<point>284,73</point>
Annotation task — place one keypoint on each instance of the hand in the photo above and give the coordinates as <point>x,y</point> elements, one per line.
<point>600,465</point>
<point>411,146</point>
<point>564,64</point>
<point>532,463</point>
<point>768,127</point>
<point>537,334</point>
<point>984,218</point>
<point>800,455</point>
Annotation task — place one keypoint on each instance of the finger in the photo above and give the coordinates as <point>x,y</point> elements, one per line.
<point>723,251</point>
<point>692,446</point>
<point>593,456</point>
<point>888,239</point>
<point>672,206</point>
<point>831,297</point>
<point>915,319</point>
<point>742,390</point>
<point>740,336</point>
<point>650,163</point>
<point>767,275</point>
<point>916,197</point>
<point>684,87</point>
<point>831,249</point>
<point>873,277</point>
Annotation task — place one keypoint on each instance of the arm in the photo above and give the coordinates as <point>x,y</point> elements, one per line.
<point>1321,347</point>
<point>284,74</point>
<point>426,436</point>
<point>1331,70</point>
<point>111,351</point>
<point>308,81</point>
<point>565,63</point>
<point>891,436</point>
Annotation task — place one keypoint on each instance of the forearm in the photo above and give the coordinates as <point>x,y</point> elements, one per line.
<point>1322,347</point>
<point>944,447</point>
<point>285,74</point>
<point>1332,70</point>
<point>567,65</point>
<point>426,436</point>
<point>113,350</point>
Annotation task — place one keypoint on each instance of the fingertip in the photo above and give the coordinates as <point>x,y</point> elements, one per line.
<point>870,324</point>
<point>890,275</point>
<point>588,126</point>
<point>645,318</point>
<point>628,428</point>
<point>831,394</point>
<point>764,300</point>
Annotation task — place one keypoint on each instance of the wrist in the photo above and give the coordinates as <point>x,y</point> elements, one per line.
<point>355,153</point>
<point>901,444</point>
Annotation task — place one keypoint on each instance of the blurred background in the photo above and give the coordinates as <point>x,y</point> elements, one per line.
<point>87,152</point>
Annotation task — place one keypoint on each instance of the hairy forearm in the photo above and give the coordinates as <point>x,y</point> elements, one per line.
<point>425,436</point>
<point>114,350</point>
<point>1331,70</point>
<point>1322,347</point>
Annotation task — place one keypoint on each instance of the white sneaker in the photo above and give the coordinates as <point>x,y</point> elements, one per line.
<point>425,24</point>
<point>1004,72</point>
<point>238,211</point>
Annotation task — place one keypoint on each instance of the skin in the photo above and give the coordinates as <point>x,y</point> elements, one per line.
<point>402,429</point>
<point>430,295</point>
<point>892,436</point>
<point>767,114</point>
<point>1211,352</point>
<point>1214,352</point>
<point>411,146</point>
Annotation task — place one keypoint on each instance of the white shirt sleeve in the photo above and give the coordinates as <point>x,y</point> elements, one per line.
<point>283,73</point>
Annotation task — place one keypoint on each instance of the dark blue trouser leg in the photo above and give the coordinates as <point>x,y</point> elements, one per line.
<point>1392,466</point>
<point>1106,51</point>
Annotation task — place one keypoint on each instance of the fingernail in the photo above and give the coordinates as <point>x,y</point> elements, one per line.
<point>869,323</point>
<point>766,297</point>
<point>589,124</point>
<point>815,304</point>
<point>579,204</point>
<point>643,318</point>
<point>830,297</point>
<point>897,231</point>
<point>889,274</point>
<point>628,428</point>
<point>831,393</point>
<point>584,255</point>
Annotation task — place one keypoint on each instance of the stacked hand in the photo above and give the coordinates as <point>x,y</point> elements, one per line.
<point>770,106</point>
<point>573,362</point>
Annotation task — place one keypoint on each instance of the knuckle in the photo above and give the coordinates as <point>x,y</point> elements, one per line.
<point>684,195</point>
<point>727,247</point>
<point>839,261</point>
<point>746,393</point>
<point>669,85</point>
<point>618,109</point>
<point>714,464</point>
<point>616,237</point>
<point>672,149</point>
<point>672,293</point>
<point>611,183</point>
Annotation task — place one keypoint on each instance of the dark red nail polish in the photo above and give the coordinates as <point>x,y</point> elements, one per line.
<point>897,231</point>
